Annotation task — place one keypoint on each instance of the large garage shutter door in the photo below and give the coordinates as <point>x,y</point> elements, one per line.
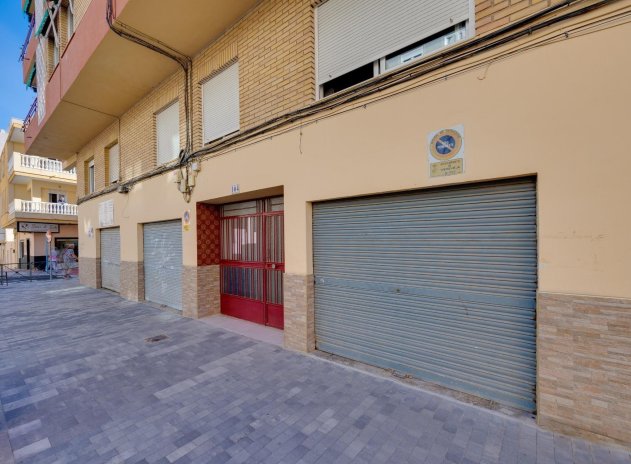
<point>438,284</point>
<point>111,259</point>
<point>163,263</point>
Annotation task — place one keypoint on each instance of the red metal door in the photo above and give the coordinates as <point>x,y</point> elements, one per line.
<point>253,261</point>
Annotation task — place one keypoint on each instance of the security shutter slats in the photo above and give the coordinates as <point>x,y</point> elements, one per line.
<point>114,161</point>
<point>352,33</point>
<point>110,259</point>
<point>220,96</point>
<point>168,133</point>
<point>398,284</point>
<point>163,263</point>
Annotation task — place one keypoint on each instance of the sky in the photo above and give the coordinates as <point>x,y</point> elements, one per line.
<point>15,98</point>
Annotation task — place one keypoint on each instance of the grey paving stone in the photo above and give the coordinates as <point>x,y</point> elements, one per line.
<point>78,384</point>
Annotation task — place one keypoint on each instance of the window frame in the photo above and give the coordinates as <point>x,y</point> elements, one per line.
<point>468,28</point>
<point>70,26</point>
<point>206,138</point>
<point>91,176</point>
<point>156,121</point>
<point>108,149</point>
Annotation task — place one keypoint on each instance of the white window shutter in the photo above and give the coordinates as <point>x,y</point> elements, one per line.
<point>113,161</point>
<point>220,111</point>
<point>352,33</point>
<point>168,133</point>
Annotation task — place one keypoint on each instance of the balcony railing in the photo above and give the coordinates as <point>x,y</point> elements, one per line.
<point>41,164</point>
<point>42,207</point>
<point>31,25</point>
<point>29,116</point>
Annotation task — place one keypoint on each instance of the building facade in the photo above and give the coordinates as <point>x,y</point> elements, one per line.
<point>36,195</point>
<point>435,188</point>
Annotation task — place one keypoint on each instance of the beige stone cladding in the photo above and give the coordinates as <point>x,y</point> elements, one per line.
<point>584,365</point>
<point>494,14</point>
<point>200,291</point>
<point>299,312</point>
<point>132,276</point>
<point>90,272</point>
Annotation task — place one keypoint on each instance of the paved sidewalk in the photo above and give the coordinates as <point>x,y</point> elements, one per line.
<point>79,384</point>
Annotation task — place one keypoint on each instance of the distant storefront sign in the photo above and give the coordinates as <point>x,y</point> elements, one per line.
<point>38,227</point>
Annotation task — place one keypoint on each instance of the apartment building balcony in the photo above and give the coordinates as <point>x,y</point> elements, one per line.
<point>101,75</point>
<point>23,168</point>
<point>42,211</point>
<point>27,54</point>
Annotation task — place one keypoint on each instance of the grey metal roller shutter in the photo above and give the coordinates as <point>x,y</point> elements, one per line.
<point>439,284</point>
<point>110,259</point>
<point>163,263</point>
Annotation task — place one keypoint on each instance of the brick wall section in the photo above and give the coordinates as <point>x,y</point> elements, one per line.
<point>275,46</point>
<point>80,7</point>
<point>200,291</point>
<point>132,275</point>
<point>90,272</point>
<point>299,312</point>
<point>493,14</point>
<point>97,149</point>
<point>138,135</point>
<point>584,365</point>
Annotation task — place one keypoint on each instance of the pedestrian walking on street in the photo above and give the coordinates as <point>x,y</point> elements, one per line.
<point>69,260</point>
<point>54,256</point>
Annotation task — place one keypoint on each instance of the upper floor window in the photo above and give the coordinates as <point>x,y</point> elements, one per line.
<point>70,18</point>
<point>168,133</point>
<point>55,197</point>
<point>90,187</point>
<point>55,48</point>
<point>359,39</point>
<point>220,104</point>
<point>113,163</point>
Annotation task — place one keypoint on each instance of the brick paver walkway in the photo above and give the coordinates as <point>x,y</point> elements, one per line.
<point>79,384</point>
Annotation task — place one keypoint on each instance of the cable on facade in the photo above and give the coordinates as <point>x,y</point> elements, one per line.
<point>186,62</point>
<point>414,71</point>
<point>459,53</point>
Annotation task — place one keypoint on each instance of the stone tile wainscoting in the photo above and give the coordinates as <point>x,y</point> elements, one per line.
<point>90,272</point>
<point>132,276</point>
<point>584,363</point>
<point>200,291</point>
<point>299,312</point>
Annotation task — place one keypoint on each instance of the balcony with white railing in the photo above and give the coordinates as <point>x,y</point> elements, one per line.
<point>28,165</point>
<point>26,208</point>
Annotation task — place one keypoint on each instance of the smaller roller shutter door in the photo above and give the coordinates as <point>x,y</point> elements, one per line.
<point>110,259</point>
<point>163,263</point>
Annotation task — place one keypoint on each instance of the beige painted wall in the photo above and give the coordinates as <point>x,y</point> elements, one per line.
<point>559,111</point>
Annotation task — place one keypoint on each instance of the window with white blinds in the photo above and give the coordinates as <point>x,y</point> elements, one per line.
<point>168,133</point>
<point>113,162</point>
<point>353,33</point>
<point>220,108</point>
<point>91,177</point>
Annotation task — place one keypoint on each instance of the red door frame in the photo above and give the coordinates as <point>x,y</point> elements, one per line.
<point>254,310</point>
